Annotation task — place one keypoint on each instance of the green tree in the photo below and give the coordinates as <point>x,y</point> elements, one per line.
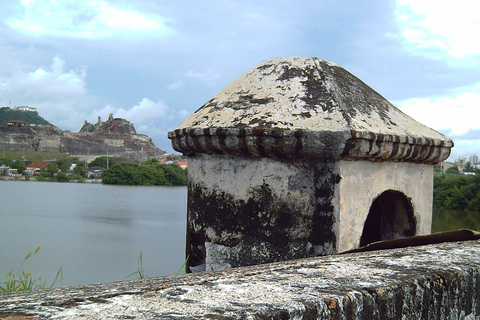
<point>123,173</point>
<point>151,176</point>
<point>174,174</point>
<point>51,170</point>
<point>149,162</point>
<point>452,170</point>
<point>469,167</point>
<point>80,170</point>
<point>6,161</point>
<point>63,165</point>
<point>149,173</point>
<point>19,165</point>
<point>62,177</point>
<point>28,116</point>
<point>102,162</point>
<point>461,192</point>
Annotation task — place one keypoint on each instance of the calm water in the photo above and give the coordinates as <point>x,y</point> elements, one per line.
<point>446,220</point>
<point>94,232</point>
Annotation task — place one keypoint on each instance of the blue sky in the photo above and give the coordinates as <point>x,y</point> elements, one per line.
<point>154,62</point>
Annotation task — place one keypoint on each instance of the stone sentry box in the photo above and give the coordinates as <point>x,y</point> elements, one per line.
<point>298,157</point>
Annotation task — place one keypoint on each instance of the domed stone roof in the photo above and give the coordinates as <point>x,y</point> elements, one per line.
<point>301,107</point>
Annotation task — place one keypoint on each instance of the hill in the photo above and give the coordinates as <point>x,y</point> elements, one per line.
<point>115,137</point>
<point>30,117</point>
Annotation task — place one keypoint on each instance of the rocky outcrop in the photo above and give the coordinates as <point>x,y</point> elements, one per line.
<point>112,125</point>
<point>116,137</point>
<point>30,138</point>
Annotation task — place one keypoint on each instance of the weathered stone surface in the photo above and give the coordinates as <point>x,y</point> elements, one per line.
<point>298,157</point>
<point>249,211</point>
<point>112,125</point>
<point>306,107</point>
<point>438,281</point>
<point>364,181</point>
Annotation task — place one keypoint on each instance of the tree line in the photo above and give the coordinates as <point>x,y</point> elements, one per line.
<point>457,191</point>
<point>31,117</point>
<point>148,173</point>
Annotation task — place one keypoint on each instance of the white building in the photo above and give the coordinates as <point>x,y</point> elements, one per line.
<point>25,108</point>
<point>473,159</point>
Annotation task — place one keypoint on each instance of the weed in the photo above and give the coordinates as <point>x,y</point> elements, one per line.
<point>24,281</point>
<point>183,266</point>
<point>141,274</point>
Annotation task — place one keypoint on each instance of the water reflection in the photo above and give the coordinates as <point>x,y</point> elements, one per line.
<point>447,220</point>
<point>118,217</point>
<point>94,232</point>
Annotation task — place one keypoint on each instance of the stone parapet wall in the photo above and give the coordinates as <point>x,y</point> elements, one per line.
<point>438,281</point>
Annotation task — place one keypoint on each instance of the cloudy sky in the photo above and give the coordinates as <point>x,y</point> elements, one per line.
<point>154,62</point>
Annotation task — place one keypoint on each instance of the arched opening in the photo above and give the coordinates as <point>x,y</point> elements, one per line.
<point>390,217</point>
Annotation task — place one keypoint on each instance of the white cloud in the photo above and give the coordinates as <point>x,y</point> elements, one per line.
<point>184,113</point>
<point>84,19</point>
<point>145,112</point>
<point>54,83</point>
<point>208,77</point>
<point>457,112</point>
<point>435,28</point>
<point>455,115</point>
<point>177,85</point>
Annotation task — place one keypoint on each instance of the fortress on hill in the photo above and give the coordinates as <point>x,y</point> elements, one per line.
<point>116,137</point>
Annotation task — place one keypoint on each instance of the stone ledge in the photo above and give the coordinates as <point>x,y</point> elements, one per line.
<point>438,281</point>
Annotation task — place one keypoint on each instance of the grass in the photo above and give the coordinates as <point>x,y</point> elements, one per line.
<point>141,273</point>
<point>34,155</point>
<point>22,280</point>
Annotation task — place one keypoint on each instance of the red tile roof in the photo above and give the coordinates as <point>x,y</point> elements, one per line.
<point>38,165</point>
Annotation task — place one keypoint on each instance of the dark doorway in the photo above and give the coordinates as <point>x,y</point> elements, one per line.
<point>390,217</point>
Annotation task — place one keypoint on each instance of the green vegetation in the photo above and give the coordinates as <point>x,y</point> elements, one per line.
<point>14,164</point>
<point>140,272</point>
<point>102,162</point>
<point>57,171</point>
<point>30,117</point>
<point>24,281</point>
<point>452,170</point>
<point>34,155</point>
<point>459,192</point>
<point>149,173</point>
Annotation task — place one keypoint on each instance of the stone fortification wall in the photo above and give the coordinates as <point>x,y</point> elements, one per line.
<point>30,138</point>
<point>439,281</point>
<point>115,137</point>
<point>112,125</point>
<point>40,130</point>
<point>94,143</point>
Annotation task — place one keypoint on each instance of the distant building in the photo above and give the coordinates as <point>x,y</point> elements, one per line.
<point>460,163</point>
<point>25,108</point>
<point>181,164</point>
<point>443,166</point>
<point>3,170</point>
<point>16,123</point>
<point>95,172</point>
<point>36,166</point>
<point>473,159</point>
